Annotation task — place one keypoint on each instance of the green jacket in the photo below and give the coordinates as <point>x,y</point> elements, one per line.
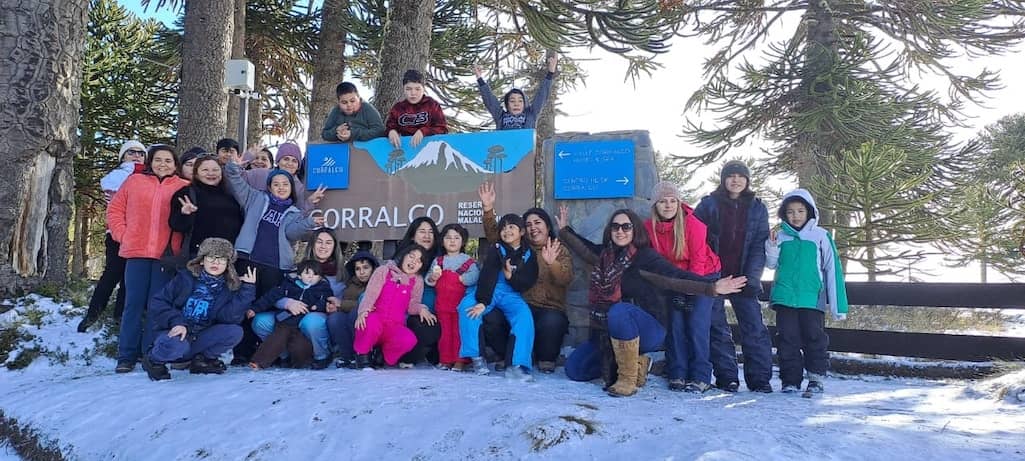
<point>365,124</point>
<point>808,270</point>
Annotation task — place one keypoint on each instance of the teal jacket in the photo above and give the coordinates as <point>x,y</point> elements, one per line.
<point>808,270</point>
<point>365,124</point>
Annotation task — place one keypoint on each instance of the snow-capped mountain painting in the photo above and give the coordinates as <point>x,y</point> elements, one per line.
<point>438,168</point>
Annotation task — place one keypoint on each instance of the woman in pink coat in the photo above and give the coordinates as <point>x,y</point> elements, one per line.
<point>394,291</point>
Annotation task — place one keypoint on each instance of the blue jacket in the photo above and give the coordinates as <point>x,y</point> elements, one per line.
<point>315,298</point>
<point>229,307</point>
<point>756,232</point>
<point>526,120</point>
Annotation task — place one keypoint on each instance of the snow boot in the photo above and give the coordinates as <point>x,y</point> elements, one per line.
<point>519,373</point>
<point>643,367</point>
<point>790,388</point>
<point>363,362</point>
<point>546,367</point>
<point>346,363</point>
<point>203,366</point>
<point>763,388</point>
<point>814,387</point>
<point>697,387</point>
<point>124,366</point>
<point>677,385</point>
<point>627,361</point>
<point>86,322</point>
<point>320,364</point>
<point>155,371</point>
<point>480,366</point>
<point>729,386</point>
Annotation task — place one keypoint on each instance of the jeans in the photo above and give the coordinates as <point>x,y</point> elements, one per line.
<point>143,278</point>
<point>209,343</point>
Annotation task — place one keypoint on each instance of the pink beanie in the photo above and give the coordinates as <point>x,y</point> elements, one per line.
<point>664,189</point>
<point>288,149</point>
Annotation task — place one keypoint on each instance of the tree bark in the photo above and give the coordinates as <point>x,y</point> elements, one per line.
<point>329,68</point>
<point>254,128</point>
<point>544,128</point>
<point>202,111</point>
<point>41,48</point>
<point>80,250</point>
<point>407,45</point>
<point>238,51</point>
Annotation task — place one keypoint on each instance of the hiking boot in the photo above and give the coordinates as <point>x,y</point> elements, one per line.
<point>184,365</point>
<point>763,388</point>
<point>320,364</point>
<point>444,366</point>
<point>697,387</point>
<point>790,388</point>
<point>677,385</point>
<point>86,322</point>
<point>155,370</point>
<point>203,366</point>
<point>480,366</point>
<point>346,363</point>
<point>363,362</point>
<point>729,386</point>
<point>519,373</point>
<point>124,366</point>
<point>546,367</point>
<point>814,387</point>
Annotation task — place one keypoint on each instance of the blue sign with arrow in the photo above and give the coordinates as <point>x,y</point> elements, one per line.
<point>327,165</point>
<point>594,169</point>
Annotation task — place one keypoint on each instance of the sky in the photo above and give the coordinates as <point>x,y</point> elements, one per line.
<point>610,102</point>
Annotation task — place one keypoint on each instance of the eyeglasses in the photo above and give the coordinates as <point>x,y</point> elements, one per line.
<point>625,227</point>
<point>135,152</point>
<point>216,259</point>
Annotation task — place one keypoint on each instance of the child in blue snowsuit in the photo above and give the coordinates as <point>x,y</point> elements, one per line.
<point>510,268</point>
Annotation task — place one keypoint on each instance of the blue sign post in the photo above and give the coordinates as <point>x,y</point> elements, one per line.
<point>594,169</point>
<point>328,165</point>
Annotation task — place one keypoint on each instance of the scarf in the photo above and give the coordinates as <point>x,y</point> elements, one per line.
<point>607,276</point>
<point>286,202</point>
<point>329,268</point>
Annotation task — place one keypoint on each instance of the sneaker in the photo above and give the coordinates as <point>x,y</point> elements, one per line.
<point>546,367</point>
<point>763,388</point>
<point>500,366</point>
<point>320,364</point>
<point>790,388</point>
<point>203,366</point>
<point>459,367</point>
<point>519,373</point>
<point>444,366</point>
<point>346,363</point>
<point>124,366</point>
<point>677,385</point>
<point>405,366</point>
<point>814,387</point>
<point>480,366</point>
<point>156,371</point>
<point>729,386</point>
<point>697,387</point>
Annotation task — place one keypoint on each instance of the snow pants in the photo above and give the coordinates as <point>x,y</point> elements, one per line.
<point>755,342</point>
<point>802,343</point>
<point>394,338</point>
<point>209,343</point>
<point>516,311</point>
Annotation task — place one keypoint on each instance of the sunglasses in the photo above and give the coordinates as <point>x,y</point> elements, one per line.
<point>625,227</point>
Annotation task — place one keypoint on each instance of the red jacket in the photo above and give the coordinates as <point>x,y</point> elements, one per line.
<point>137,215</point>
<point>698,257</point>
<point>425,116</point>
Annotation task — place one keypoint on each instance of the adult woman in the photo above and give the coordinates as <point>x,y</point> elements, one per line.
<point>682,239</point>
<point>547,298</point>
<point>626,300</point>
<point>137,217</point>
<point>187,162</point>
<point>422,231</point>
<point>205,208</point>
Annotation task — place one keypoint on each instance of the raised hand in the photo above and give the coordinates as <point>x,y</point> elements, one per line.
<point>729,285</point>
<point>250,276</point>
<point>562,220</point>
<point>187,206</point>
<point>553,61</point>
<point>317,195</point>
<point>478,71</point>
<point>551,251</point>
<point>486,191</point>
<point>318,221</point>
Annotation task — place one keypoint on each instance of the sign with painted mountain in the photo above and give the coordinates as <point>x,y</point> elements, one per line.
<point>388,187</point>
<point>594,169</point>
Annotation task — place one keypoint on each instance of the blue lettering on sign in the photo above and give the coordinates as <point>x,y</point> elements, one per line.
<point>594,169</point>
<point>327,165</point>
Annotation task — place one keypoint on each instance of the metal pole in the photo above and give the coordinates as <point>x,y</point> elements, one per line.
<point>243,119</point>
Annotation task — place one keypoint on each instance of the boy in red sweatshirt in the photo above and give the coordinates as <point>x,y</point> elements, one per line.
<point>418,115</point>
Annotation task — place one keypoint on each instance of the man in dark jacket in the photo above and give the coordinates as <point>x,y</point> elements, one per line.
<point>738,225</point>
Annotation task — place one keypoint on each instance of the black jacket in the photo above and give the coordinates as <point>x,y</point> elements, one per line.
<point>315,298</point>
<point>524,261</point>
<point>218,215</point>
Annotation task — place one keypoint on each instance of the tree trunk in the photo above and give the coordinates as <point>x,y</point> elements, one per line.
<point>543,129</point>
<point>80,248</point>
<point>203,106</point>
<point>329,68</point>
<point>406,45</point>
<point>254,129</point>
<point>238,51</point>
<point>41,48</point>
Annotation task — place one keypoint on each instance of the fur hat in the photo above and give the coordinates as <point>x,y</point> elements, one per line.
<point>734,167</point>
<point>665,189</point>
<point>133,145</point>
<point>218,248</point>
<point>288,149</point>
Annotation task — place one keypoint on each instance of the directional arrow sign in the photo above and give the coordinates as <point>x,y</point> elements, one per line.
<point>594,169</point>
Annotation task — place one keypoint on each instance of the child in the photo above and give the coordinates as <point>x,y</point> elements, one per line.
<point>342,324</point>
<point>517,114</point>
<point>808,276</point>
<point>394,290</point>
<point>312,290</point>
<point>351,120</point>
<point>198,312</point>
<point>451,274</point>
<point>510,268</point>
<point>681,238</point>
<point>418,115</point>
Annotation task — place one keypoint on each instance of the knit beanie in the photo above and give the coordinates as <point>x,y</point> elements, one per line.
<point>228,143</point>
<point>288,149</point>
<point>133,144</point>
<point>665,189</point>
<point>219,248</point>
<point>734,167</point>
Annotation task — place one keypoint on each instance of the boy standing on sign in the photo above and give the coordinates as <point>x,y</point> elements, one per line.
<point>417,115</point>
<point>351,120</point>
<point>808,276</point>
<point>515,113</point>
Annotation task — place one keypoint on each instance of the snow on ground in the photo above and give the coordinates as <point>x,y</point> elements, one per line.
<point>425,414</point>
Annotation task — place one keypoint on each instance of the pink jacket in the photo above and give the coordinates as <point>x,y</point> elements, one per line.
<point>698,257</point>
<point>137,215</point>
<point>393,293</point>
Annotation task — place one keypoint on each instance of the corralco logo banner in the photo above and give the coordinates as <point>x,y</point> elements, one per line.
<point>376,190</point>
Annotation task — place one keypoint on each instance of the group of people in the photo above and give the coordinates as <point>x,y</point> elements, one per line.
<point>204,248</point>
